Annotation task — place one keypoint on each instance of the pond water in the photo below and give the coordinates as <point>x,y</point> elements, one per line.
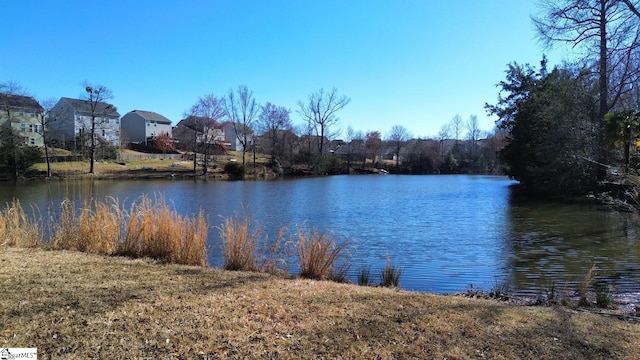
<point>445,232</point>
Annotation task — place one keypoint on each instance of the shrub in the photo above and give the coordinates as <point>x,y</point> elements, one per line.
<point>390,275</point>
<point>234,170</point>
<point>319,255</point>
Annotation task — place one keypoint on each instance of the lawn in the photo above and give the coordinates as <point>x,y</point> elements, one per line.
<point>77,306</point>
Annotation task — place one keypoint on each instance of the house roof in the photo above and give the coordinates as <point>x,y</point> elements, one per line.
<point>19,101</point>
<point>152,116</point>
<point>85,106</point>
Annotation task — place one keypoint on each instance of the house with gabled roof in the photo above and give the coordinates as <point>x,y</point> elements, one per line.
<point>70,122</point>
<point>141,127</point>
<point>22,114</point>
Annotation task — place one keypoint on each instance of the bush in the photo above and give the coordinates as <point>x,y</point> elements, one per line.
<point>234,170</point>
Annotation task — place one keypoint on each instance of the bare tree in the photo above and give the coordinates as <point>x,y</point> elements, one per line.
<point>473,133</point>
<point>456,126</point>
<point>273,122</point>
<point>398,137</point>
<point>96,96</point>
<point>374,145</point>
<point>203,117</point>
<point>320,112</point>
<point>607,31</point>
<point>241,108</point>
<point>44,119</point>
<point>443,135</point>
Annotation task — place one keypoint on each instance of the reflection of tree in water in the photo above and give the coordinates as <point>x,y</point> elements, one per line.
<point>554,243</point>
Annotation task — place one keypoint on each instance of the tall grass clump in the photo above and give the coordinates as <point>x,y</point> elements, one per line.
<point>240,243</point>
<point>583,287</point>
<point>320,256</point>
<point>16,229</point>
<point>243,249</point>
<point>155,230</point>
<point>94,227</point>
<point>364,276</point>
<point>603,294</point>
<point>390,275</point>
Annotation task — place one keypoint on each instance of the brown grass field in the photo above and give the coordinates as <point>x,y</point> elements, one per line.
<point>73,305</point>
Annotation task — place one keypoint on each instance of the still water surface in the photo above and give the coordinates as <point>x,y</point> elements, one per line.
<point>445,232</point>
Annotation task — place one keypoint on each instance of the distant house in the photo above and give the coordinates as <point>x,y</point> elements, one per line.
<point>139,126</point>
<point>201,131</point>
<point>22,114</point>
<point>70,122</point>
<point>231,137</point>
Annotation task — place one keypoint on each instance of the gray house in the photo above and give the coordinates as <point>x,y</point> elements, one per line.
<point>70,121</point>
<point>139,126</point>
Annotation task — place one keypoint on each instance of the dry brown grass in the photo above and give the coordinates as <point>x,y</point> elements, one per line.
<point>150,228</point>
<point>95,227</point>
<point>16,229</point>
<point>319,255</point>
<point>77,306</point>
<point>156,230</point>
<point>239,243</point>
<point>243,249</point>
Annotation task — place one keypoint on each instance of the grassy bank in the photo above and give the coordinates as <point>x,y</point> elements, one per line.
<point>78,306</point>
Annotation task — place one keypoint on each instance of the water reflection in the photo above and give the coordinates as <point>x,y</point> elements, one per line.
<point>445,232</point>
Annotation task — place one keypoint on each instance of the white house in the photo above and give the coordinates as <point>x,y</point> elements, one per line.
<point>139,126</point>
<point>70,121</point>
<point>231,136</point>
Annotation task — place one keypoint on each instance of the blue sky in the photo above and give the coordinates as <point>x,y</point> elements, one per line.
<point>411,63</point>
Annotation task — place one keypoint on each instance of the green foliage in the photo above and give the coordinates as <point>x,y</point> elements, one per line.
<point>14,154</point>
<point>553,131</point>
<point>234,170</point>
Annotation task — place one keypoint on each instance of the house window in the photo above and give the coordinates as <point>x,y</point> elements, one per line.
<point>32,141</point>
<point>30,127</point>
<point>23,127</point>
<point>104,133</point>
<point>32,114</point>
<point>21,112</point>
